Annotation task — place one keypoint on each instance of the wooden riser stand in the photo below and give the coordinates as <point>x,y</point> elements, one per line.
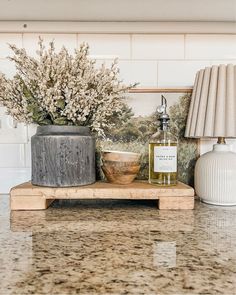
<point>30,197</point>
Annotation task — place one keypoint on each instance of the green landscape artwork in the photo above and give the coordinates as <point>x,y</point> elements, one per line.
<point>141,121</point>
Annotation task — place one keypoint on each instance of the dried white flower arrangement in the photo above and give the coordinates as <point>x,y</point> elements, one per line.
<point>63,89</point>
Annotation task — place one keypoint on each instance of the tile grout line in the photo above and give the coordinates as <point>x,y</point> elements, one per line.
<point>77,41</point>
<point>22,42</point>
<point>184,46</point>
<point>131,46</point>
<point>157,67</point>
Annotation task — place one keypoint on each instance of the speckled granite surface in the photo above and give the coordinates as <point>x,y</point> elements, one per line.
<point>117,247</point>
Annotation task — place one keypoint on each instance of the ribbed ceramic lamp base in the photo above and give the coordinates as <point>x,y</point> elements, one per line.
<point>215,176</point>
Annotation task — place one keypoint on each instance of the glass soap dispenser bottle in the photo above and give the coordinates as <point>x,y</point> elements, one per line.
<point>163,151</point>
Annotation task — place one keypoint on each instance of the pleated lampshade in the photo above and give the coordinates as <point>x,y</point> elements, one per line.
<point>212,111</point>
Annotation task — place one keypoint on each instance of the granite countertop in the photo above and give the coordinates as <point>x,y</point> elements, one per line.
<point>117,247</point>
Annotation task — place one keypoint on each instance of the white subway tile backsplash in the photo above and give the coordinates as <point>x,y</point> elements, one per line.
<point>12,155</point>
<point>178,73</point>
<point>7,67</point>
<point>224,62</point>
<point>31,130</point>
<point>157,47</point>
<point>10,131</point>
<point>210,46</point>
<point>30,42</point>
<point>10,177</point>
<point>142,72</point>
<point>232,142</point>
<point>206,145</point>
<point>107,46</point>
<point>28,154</point>
<point>108,63</point>
<point>5,40</point>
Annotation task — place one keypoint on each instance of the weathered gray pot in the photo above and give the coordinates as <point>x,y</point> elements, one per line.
<point>63,156</point>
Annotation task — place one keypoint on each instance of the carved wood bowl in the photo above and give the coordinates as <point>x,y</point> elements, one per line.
<point>119,156</point>
<point>120,167</point>
<point>113,168</point>
<point>118,178</point>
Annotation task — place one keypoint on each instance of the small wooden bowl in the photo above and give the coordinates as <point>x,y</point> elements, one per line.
<point>113,169</point>
<point>121,165</point>
<point>118,178</point>
<point>120,156</point>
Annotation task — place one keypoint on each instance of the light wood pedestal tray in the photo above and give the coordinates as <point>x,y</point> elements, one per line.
<point>30,197</point>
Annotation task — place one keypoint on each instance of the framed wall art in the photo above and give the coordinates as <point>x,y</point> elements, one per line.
<point>141,121</point>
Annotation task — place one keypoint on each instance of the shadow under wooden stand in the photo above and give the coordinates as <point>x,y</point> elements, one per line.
<point>30,197</point>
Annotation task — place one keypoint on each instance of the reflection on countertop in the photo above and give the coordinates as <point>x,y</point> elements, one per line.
<point>117,247</point>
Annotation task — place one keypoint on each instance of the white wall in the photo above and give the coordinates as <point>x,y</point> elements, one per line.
<point>154,60</point>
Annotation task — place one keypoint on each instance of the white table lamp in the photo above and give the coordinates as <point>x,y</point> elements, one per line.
<point>212,113</point>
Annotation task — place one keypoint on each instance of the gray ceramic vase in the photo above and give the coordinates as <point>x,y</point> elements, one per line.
<point>63,156</point>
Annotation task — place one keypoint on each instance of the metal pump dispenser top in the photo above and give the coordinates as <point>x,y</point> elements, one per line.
<point>163,116</point>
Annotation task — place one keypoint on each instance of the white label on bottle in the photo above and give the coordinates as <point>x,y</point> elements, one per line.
<point>165,159</point>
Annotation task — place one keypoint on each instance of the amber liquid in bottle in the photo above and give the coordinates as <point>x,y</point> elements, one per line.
<point>163,157</point>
